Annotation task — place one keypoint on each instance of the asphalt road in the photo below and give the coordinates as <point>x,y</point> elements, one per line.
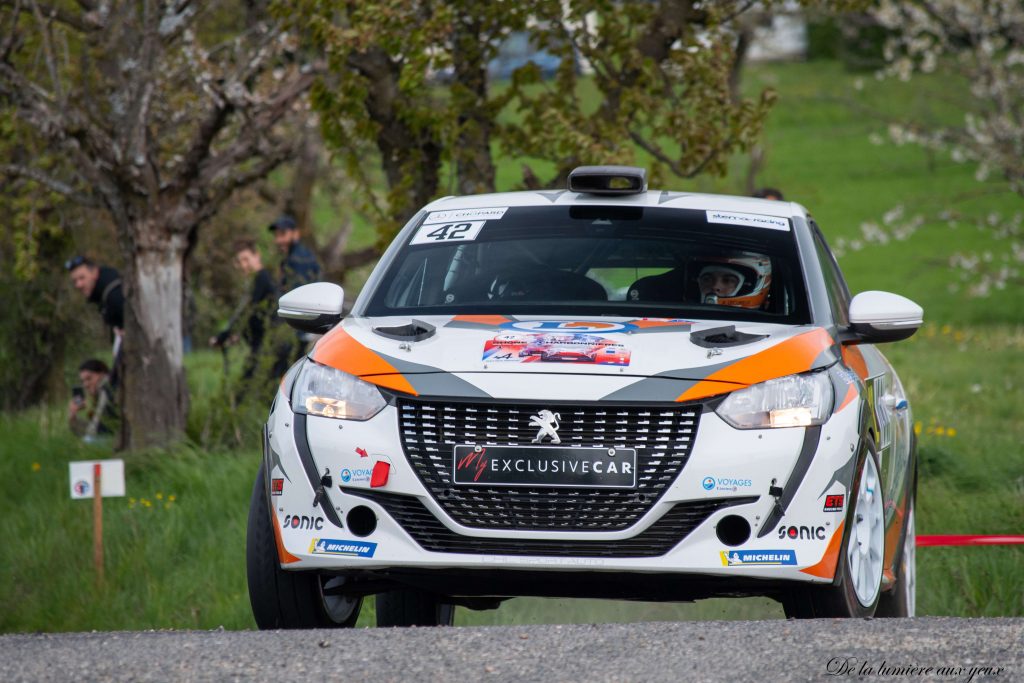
<point>823,650</point>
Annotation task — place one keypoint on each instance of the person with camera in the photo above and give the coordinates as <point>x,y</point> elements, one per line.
<point>92,412</point>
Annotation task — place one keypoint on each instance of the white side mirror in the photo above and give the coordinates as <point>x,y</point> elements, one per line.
<point>312,308</point>
<point>877,317</point>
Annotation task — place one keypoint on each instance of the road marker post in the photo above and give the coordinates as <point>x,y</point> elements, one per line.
<point>97,479</point>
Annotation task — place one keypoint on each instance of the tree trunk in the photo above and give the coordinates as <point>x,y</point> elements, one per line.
<point>155,395</point>
<point>472,154</point>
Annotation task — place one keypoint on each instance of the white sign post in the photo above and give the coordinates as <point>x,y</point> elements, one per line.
<point>88,477</point>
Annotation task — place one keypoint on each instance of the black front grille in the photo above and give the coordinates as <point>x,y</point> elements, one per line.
<point>662,436</point>
<point>656,540</point>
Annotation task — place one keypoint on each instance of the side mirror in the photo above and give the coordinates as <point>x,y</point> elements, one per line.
<point>877,317</point>
<point>312,308</point>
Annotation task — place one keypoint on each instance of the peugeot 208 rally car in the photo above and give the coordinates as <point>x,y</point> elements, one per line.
<point>603,391</point>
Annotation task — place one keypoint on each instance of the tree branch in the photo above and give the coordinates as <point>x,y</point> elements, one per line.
<point>51,183</point>
<point>79,22</point>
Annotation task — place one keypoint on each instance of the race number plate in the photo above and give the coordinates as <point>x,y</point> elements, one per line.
<point>545,466</point>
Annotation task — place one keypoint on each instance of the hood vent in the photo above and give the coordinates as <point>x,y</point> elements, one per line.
<point>718,337</point>
<point>413,331</point>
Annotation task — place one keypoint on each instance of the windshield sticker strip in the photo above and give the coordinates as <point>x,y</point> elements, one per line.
<point>753,220</point>
<point>455,231</point>
<point>487,214</point>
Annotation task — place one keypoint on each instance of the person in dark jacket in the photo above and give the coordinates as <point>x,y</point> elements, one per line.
<point>300,266</point>
<point>258,306</point>
<point>92,412</point>
<point>100,285</point>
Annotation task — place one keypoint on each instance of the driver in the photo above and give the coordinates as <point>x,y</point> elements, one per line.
<point>742,280</point>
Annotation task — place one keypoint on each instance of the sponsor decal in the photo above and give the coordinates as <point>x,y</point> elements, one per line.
<point>753,220</point>
<point>573,326</point>
<point>545,466</point>
<point>757,558</point>
<point>82,487</point>
<point>332,546</point>
<point>834,502</point>
<point>732,484</point>
<point>358,474</point>
<point>276,487</point>
<point>303,522</point>
<point>362,453</point>
<point>802,533</point>
<point>488,214</point>
<point>456,231</point>
<point>583,348</point>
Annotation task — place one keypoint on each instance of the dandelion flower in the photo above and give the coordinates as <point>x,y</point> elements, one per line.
<point>917,428</point>
<point>36,467</point>
<point>171,498</point>
<point>951,432</point>
<point>159,496</point>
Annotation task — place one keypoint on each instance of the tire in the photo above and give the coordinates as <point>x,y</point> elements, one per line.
<point>413,608</point>
<point>288,599</point>
<point>857,589</point>
<point>901,599</point>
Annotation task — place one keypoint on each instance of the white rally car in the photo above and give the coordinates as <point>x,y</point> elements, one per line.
<point>604,391</point>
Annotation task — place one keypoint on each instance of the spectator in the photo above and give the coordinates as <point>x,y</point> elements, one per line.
<point>770,193</point>
<point>100,285</point>
<point>300,266</point>
<point>258,305</point>
<point>96,398</point>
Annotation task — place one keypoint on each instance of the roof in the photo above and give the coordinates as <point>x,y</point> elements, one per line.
<point>658,198</point>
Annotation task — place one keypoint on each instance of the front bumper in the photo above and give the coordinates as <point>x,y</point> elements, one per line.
<point>728,472</point>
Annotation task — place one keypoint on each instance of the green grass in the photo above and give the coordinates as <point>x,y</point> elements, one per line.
<point>181,564</point>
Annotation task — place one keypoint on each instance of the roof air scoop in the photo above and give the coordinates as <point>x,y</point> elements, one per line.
<point>413,331</point>
<point>725,336</point>
<point>608,180</point>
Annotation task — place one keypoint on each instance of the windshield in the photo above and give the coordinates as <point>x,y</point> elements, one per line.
<point>596,260</point>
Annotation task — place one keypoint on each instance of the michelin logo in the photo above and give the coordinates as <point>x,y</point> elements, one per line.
<point>757,558</point>
<point>330,546</point>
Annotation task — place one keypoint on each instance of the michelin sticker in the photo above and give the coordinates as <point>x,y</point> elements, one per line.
<point>757,558</point>
<point>452,231</point>
<point>331,546</point>
<point>753,220</point>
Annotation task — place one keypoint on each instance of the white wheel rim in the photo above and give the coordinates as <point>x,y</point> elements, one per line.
<point>866,545</point>
<point>910,564</point>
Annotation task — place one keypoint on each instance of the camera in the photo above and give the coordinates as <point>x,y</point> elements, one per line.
<point>78,394</point>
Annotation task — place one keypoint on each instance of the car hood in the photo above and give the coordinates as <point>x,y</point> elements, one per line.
<point>586,359</point>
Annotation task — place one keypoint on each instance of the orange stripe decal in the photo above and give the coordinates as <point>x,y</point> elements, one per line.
<point>854,360</point>
<point>826,568</point>
<point>851,394</point>
<point>796,354</point>
<point>341,351</point>
<point>644,323</point>
<point>283,555</point>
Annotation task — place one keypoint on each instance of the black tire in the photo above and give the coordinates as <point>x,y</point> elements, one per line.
<point>840,599</point>
<point>413,608</point>
<point>288,599</point>
<point>900,601</point>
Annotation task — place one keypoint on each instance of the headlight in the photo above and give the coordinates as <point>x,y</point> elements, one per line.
<point>792,401</point>
<point>324,391</point>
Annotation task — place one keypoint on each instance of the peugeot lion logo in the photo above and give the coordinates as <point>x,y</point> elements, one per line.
<point>548,426</point>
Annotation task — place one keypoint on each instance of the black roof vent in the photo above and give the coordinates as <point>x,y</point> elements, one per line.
<point>608,180</point>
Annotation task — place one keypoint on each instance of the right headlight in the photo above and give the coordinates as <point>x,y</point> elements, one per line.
<point>791,401</point>
<point>322,390</point>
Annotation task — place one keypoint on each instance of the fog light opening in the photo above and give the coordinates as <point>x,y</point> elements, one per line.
<point>361,521</point>
<point>733,530</point>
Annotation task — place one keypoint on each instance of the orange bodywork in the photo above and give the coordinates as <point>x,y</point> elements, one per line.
<point>341,351</point>
<point>826,567</point>
<point>854,360</point>
<point>481,319</point>
<point>283,555</point>
<point>792,356</point>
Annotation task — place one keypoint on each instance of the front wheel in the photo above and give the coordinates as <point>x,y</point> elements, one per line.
<point>284,599</point>
<point>859,570</point>
<point>413,608</point>
<point>901,601</point>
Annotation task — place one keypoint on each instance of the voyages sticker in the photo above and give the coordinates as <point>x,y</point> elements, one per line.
<point>487,214</point>
<point>753,220</point>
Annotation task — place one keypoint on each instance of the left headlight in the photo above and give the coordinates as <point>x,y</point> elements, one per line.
<point>791,401</point>
<point>322,390</point>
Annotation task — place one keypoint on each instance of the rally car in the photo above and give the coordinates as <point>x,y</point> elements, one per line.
<point>734,431</point>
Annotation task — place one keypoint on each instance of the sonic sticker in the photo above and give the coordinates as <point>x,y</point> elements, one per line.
<point>516,347</point>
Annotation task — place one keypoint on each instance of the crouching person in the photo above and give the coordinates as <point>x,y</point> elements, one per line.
<point>92,413</point>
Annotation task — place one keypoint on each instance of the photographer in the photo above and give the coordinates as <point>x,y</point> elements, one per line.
<point>92,411</point>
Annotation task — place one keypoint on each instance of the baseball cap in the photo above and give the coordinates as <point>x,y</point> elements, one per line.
<point>283,222</point>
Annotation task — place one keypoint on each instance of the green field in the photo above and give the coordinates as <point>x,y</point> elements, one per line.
<point>175,547</point>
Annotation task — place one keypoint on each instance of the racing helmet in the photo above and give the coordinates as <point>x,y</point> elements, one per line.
<point>740,279</point>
